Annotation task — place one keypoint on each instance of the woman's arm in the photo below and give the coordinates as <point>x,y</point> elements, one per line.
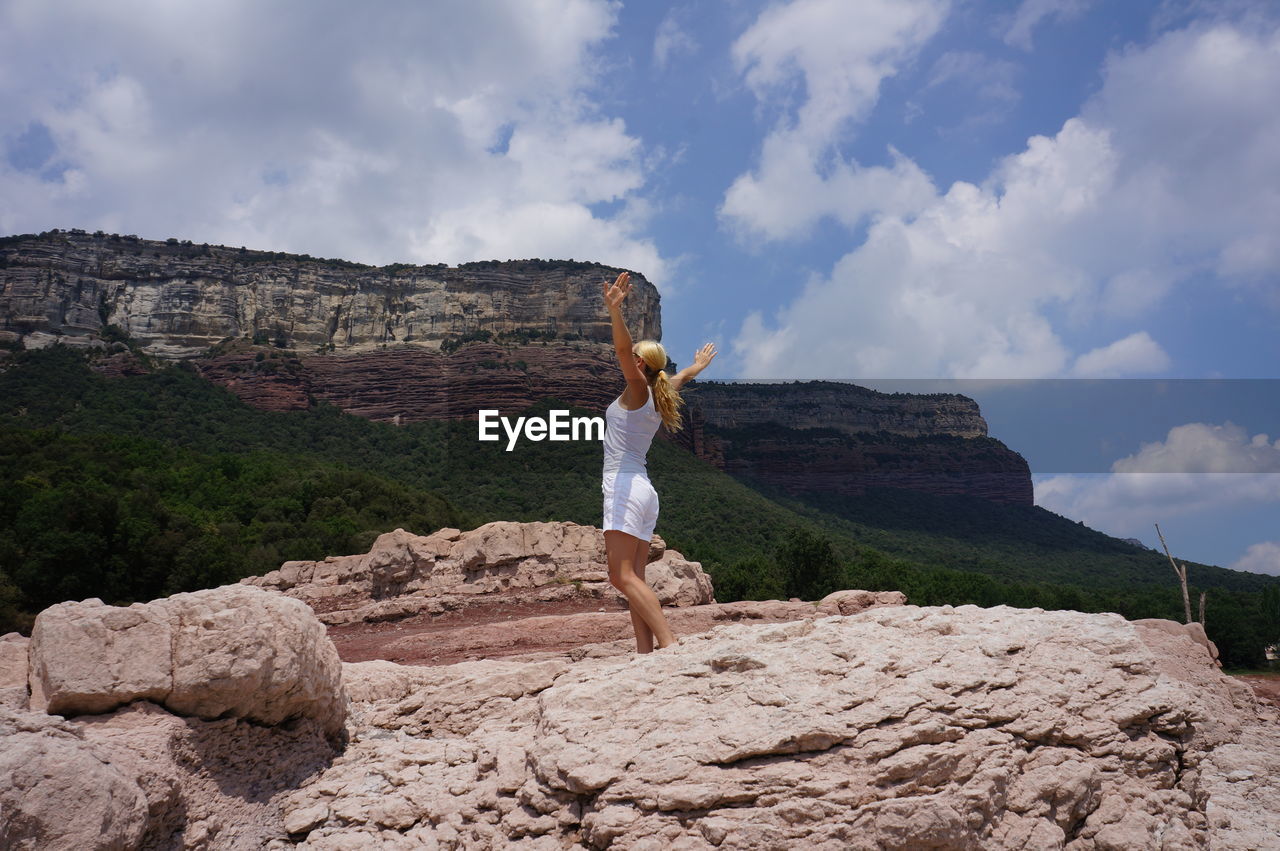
<point>637,387</point>
<point>701,361</point>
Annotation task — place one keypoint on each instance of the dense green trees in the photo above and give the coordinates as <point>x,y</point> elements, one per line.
<point>124,518</point>
<point>808,565</point>
<point>127,489</point>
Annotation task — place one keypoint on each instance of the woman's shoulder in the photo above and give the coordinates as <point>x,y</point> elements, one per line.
<point>649,401</point>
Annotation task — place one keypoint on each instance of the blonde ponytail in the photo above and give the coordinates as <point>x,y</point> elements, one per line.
<point>665,397</point>
<point>667,400</point>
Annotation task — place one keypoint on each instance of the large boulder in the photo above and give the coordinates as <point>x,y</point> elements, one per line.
<point>406,574</point>
<point>678,582</point>
<point>57,793</point>
<point>1193,631</point>
<point>851,602</point>
<point>897,728</point>
<point>235,651</point>
<point>141,777</point>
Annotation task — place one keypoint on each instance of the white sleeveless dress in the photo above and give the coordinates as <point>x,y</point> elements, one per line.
<point>630,501</point>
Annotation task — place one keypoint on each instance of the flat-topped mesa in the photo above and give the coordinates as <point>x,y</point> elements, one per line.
<point>839,438</point>
<point>178,299</point>
<point>838,405</point>
<point>407,343</point>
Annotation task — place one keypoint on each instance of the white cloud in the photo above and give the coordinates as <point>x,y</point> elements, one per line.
<point>428,132</point>
<point>1032,12</point>
<point>837,54</point>
<point>1197,468</point>
<point>1171,172</point>
<point>788,197</point>
<point>1203,448</point>
<point>493,229</point>
<point>1133,355</point>
<point>1263,557</point>
<point>841,51</point>
<point>672,40</point>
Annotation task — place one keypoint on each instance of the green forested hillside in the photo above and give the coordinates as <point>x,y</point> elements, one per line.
<point>135,487</point>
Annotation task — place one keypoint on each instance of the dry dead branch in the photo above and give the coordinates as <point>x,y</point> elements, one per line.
<point>1181,570</point>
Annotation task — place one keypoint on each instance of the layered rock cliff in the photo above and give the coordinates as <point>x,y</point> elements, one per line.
<point>828,461</point>
<point>410,343</point>
<point>179,299</point>
<point>841,406</point>
<point>838,438</point>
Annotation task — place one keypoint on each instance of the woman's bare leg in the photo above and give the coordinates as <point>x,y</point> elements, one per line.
<point>644,635</point>
<point>620,550</point>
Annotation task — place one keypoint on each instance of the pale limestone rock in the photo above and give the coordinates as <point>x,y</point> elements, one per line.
<point>1242,782</point>
<point>405,574</point>
<point>243,652</point>
<point>208,784</point>
<point>1193,631</point>
<point>90,657</point>
<point>677,582</point>
<point>13,671</point>
<point>58,792</point>
<point>235,650</point>
<point>851,602</point>
<point>900,727</point>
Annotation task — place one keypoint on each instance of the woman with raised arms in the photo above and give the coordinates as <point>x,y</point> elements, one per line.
<point>630,501</point>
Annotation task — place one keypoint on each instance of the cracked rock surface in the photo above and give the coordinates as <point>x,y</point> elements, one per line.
<point>900,727</point>
<point>406,574</point>
<point>233,651</point>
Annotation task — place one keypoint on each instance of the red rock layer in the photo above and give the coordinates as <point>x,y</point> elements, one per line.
<point>415,384</point>
<point>822,461</point>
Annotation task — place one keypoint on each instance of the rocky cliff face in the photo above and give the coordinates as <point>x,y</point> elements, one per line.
<point>839,438</point>
<point>179,299</point>
<point>826,461</point>
<point>815,436</point>
<point>410,343</point>
<point>844,407</point>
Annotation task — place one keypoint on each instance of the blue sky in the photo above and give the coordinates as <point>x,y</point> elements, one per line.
<point>865,189</point>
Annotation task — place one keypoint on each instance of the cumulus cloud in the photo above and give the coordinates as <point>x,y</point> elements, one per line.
<point>1203,448</point>
<point>1198,467</point>
<point>789,196</point>
<point>837,54</point>
<point>1133,355</point>
<point>1171,171</point>
<point>1263,557</point>
<point>430,132</point>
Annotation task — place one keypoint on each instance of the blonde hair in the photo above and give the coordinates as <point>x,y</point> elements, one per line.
<point>665,397</point>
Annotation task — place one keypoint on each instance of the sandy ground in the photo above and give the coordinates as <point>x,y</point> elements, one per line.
<point>503,627</point>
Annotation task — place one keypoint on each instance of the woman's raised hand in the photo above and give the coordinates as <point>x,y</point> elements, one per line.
<point>614,295</point>
<point>704,356</point>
